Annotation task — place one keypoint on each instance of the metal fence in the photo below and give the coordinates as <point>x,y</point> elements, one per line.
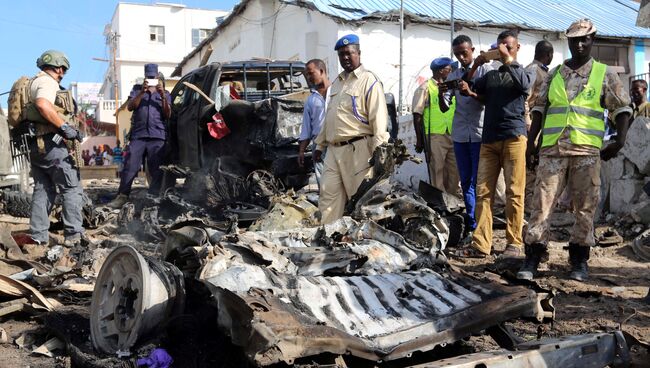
<point>644,76</point>
<point>20,160</point>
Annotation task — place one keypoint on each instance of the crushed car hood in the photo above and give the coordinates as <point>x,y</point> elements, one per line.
<point>279,307</point>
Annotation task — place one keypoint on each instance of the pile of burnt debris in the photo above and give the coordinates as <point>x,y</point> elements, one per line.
<point>233,269</point>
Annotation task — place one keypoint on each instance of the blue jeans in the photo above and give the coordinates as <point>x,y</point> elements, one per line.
<point>467,155</point>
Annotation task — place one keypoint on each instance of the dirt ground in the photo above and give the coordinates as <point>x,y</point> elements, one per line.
<point>609,300</point>
<point>612,298</point>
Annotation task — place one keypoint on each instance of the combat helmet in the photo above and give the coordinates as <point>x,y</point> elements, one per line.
<point>53,58</point>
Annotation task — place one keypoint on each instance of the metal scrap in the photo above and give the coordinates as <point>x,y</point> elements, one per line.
<point>593,350</point>
<point>641,246</point>
<point>286,213</point>
<point>375,317</point>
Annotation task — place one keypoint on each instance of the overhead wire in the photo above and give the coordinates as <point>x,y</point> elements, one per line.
<point>47,28</point>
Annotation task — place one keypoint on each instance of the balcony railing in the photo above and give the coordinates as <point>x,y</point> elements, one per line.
<point>106,111</point>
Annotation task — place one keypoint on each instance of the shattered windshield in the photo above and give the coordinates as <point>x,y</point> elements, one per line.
<point>258,83</point>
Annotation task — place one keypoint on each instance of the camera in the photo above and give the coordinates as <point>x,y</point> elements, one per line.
<point>452,84</point>
<point>152,82</point>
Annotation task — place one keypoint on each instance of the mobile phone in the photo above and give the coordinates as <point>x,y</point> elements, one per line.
<point>451,84</point>
<point>152,82</point>
<point>491,55</point>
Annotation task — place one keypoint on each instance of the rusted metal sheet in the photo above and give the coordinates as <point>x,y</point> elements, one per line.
<point>278,315</point>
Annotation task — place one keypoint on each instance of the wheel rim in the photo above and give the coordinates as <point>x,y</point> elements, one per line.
<point>119,300</point>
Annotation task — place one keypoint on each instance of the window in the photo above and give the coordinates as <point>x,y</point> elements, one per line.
<point>256,84</point>
<point>157,34</point>
<point>611,54</point>
<point>199,35</point>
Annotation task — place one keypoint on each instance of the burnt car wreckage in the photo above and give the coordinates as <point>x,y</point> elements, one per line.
<point>374,287</point>
<point>240,236</point>
<point>321,296</point>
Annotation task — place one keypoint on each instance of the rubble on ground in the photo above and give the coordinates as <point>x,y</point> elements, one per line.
<point>626,174</point>
<point>636,147</point>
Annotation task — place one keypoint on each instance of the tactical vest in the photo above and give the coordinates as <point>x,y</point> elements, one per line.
<point>64,106</point>
<point>583,116</point>
<point>436,121</point>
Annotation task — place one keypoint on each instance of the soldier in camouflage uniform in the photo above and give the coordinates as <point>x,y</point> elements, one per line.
<point>50,119</point>
<point>573,98</point>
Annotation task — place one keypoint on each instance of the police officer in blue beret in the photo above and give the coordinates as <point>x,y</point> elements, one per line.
<point>433,129</point>
<point>355,124</point>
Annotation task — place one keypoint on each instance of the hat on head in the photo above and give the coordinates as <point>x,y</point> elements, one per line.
<point>580,28</point>
<point>346,40</point>
<point>151,70</point>
<point>439,63</point>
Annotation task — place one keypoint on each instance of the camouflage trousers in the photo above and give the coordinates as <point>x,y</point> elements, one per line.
<point>531,177</point>
<point>581,176</point>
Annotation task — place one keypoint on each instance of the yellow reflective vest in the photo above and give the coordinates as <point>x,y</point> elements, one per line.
<point>436,121</point>
<point>584,117</point>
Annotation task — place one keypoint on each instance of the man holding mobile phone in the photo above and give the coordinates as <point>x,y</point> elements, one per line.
<point>504,92</point>
<point>151,106</point>
<point>467,123</point>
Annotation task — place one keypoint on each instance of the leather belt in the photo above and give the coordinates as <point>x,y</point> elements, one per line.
<point>350,141</point>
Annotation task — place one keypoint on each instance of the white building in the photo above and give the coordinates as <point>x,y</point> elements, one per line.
<point>85,93</point>
<point>284,29</point>
<point>158,33</point>
<point>306,29</point>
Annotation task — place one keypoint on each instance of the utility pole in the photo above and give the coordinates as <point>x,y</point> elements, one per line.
<point>401,53</point>
<point>451,49</point>
<point>111,40</point>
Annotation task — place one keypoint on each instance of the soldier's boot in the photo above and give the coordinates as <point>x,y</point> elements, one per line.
<point>535,254</point>
<point>578,257</point>
<point>118,202</point>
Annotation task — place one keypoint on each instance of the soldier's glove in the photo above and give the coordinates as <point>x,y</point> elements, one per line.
<point>70,133</point>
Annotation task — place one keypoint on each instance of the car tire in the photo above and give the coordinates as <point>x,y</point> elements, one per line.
<point>17,204</point>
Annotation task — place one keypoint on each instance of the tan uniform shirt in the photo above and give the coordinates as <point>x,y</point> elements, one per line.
<point>614,98</point>
<point>541,71</point>
<point>44,86</point>
<point>356,107</point>
<point>642,110</point>
<point>421,99</point>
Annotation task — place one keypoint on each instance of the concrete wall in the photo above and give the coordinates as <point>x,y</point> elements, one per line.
<point>258,33</point>
<point>293,32</point>
<point>280,31</point>
<point>422,43</point>
<point>130,71</point>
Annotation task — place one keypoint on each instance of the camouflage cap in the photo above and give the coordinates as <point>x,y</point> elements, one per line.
<point>580,28</point>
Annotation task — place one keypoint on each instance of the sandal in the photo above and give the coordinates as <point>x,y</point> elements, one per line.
<point>468,251</point>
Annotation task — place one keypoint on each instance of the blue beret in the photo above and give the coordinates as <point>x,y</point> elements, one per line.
<point>439,63</point>
<point>350,39</point>
<point>151,70</point>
